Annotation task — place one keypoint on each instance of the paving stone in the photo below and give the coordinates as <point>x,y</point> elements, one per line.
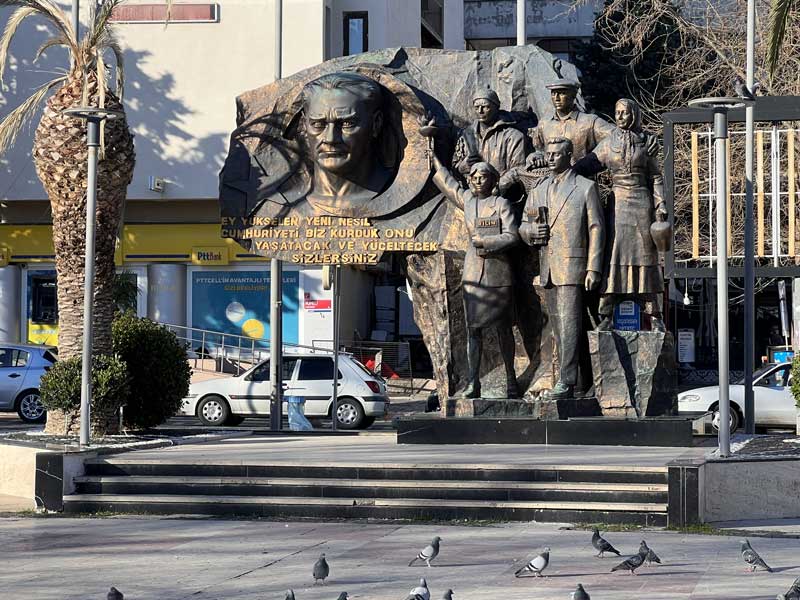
<point>174,559</point>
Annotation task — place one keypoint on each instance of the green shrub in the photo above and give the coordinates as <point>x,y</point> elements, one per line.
<point>158,367</point>
<point>796,379</point>
<point>60,387</point>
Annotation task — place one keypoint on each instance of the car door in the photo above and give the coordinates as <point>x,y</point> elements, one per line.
<point>13,366</point>
<point>255,390</point>
<point>314,382</point>
<point>772,397</point>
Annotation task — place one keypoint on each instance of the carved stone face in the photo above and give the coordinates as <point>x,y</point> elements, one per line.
<point>623,115</point>
<point>563,99</point>
<point>558,157</point>
<point>340,127</point>
<point>485,111</point>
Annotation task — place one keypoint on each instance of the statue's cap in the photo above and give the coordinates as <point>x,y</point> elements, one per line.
<point>563,84</point>
<point>486,93</point>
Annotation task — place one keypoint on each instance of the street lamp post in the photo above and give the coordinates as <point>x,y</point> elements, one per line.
<point>749,250</point>
<point>93,117</point>
<point>721,106</point>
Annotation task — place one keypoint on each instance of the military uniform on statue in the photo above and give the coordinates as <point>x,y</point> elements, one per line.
<point>564,220</point>
<point>487,281</point>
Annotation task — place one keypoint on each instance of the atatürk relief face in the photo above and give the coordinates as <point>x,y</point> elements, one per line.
<point>342,121</point>
<point>340,128</point>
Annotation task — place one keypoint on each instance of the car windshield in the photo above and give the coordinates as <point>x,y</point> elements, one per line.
<point>758,372</point>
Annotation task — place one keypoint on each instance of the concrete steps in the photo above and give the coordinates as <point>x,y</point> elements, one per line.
<point>586,493</point>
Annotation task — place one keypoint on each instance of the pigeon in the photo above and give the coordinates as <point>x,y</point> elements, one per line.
<point>631,564</point>
<point>752,558</point>
<point>793,592</point>
<point>114,594</point>
<point>580,594</point>
<point>428,553</point>
<point>321,569</point>
<point>536,565</point>
<point>652,557</point>
<point>289,595</point>
<point>421,591</point>
<point>448,595</point>
<point>343,596</point>
<point>601,544</point>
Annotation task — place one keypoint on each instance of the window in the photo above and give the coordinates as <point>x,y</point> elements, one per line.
<point>356,36</point>
<point>261,372</point>
<point>316,369</point>
<point>20,358</point>
<point>13,359</point>
<point>44,307</point>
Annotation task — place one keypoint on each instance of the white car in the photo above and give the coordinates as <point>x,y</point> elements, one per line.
<point>228,400</point>
<point>772,398</point>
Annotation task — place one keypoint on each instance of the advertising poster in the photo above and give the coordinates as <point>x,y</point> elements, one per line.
<point>42,307</point>
<point>237,302</point>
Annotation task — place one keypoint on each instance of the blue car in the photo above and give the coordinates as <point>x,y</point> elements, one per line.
<point>21,368</point>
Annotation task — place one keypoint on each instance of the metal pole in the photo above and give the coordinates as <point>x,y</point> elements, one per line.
<point>522,37</point>
<point>749,249</point>
<point>93,142</point>
<point>336,287</point>
<point>276,344</point>
<point>720,140</point>
<point>76,23</point>
<point>276,280</point>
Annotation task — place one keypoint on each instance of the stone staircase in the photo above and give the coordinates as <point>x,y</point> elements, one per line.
<point>574,493</point>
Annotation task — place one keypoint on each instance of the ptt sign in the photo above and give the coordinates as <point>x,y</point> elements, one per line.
<point>217,255</point>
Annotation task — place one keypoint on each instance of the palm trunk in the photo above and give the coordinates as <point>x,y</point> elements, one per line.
<point>64,174</point>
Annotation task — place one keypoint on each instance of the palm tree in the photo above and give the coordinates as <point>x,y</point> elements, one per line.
<point>60,157</point>
<point>780,18</point>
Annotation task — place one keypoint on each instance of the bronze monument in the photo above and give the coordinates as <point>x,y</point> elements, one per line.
<point>565,220</point>
<point>631,269</point>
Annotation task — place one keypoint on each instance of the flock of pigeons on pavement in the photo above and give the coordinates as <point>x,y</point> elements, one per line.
<point>536,567</point>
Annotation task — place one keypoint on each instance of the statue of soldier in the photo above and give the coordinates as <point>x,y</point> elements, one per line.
<point>584,130</point>
<point>564,219</point>
<point>492,138</point>
<point>487,280</point>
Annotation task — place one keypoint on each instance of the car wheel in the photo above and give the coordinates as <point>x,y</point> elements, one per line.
<point>735,420</point>
<point>349,413</point>
<point>30,408</point>
<point>213,411</point>
<point>234,420</point>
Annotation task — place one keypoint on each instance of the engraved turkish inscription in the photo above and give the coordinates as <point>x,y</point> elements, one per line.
<point>323,239</point>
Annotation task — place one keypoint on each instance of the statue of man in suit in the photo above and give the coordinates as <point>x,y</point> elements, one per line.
<point>564,219</point>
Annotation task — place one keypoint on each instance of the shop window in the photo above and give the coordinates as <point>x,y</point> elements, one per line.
<point>356,33</point>
<point>44,299</point>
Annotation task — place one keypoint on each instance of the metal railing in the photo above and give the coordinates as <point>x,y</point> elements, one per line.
<point>219,352</point>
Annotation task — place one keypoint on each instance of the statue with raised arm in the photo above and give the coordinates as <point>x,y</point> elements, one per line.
<point>632,270</point>
<point>564,219</point>
<point>487,280</point>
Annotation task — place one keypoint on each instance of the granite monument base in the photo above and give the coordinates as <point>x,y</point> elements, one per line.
<point>597,431</point>
<point>635,373</point>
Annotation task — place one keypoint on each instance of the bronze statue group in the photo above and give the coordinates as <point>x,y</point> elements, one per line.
<point>583,245</point>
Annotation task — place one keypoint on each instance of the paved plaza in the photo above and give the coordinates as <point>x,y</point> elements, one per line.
<point>172,559</point>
